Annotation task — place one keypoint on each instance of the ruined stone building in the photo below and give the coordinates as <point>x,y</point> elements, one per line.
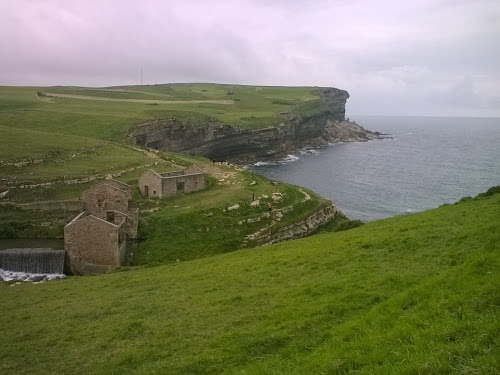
<point>95,240</point>
<point>164,185</point>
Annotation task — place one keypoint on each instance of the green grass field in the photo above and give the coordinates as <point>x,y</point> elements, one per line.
<point>52,124</point>
<point>415,294</point>
<point>54,136</point>
<point>111,114</point>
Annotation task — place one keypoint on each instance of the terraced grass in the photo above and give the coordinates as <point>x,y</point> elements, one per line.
<point>53,129</point>
<point>101,158</point>
<point>17,144</point>
<point>55,139</point>
<point>414,294</point>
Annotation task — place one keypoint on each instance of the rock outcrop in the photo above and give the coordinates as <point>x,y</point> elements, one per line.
<point>300,229</point>
<point>324,124</point>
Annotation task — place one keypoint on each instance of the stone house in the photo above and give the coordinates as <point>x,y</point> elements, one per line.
<point>164,185</point>
<point>105,201</point>
<point>94,245</point>
<point>95,240</point>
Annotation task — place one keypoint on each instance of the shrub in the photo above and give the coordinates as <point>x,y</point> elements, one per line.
<point>346,225</point>
<point>491,191</point>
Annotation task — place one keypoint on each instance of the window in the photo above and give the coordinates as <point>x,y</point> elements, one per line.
<point>180,186</point>
<point>110,216</point>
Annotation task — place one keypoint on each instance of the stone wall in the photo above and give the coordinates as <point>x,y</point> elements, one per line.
<point>69,206</point>
<point>190,183</point>
<point>165,185</point>
<point>194,182</point>
<point>132,223</point>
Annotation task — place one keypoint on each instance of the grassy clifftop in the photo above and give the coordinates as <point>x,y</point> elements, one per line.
<point>72,132</point>
<point>411,294</point>
<point>108,113</point>
<point>47,130</point>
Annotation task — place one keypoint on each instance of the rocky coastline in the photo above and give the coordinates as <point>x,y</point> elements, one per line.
<point>219,141</point>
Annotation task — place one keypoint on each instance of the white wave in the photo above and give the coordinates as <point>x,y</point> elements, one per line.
<point>289,159</point>
<point>309,151</point>
<point>261,163</point>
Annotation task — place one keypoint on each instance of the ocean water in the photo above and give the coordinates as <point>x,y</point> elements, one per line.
<point>429,162</point>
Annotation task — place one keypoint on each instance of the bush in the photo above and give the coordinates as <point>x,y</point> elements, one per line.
<point>491,191</point>
<point>346,225</point>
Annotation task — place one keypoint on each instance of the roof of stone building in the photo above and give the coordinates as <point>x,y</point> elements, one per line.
<point>99,185</point>
<point>86,216</point>
<point>116,183</point>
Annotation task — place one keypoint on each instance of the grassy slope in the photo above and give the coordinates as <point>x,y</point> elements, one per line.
<point>54,128</point>
<point>416,294</point>
<point>198,225</point>
<point>71,138</point>
<point>20,108</point>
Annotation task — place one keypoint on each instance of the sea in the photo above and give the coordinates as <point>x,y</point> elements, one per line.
<point>427,162</point>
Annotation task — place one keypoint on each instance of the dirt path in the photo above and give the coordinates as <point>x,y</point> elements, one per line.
<point>306,196</point>
<point>145,101</point>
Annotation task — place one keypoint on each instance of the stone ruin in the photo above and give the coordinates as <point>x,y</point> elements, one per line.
<point>95,240</point>
<point>164,185</point>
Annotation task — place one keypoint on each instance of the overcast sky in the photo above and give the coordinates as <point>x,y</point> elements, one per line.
<point>421,57</point>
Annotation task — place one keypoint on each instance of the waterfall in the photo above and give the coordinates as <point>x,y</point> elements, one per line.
<point>32,260</point>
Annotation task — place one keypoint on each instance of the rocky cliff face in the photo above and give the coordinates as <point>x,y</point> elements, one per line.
<point>302,228</point>
<point>226,142</point>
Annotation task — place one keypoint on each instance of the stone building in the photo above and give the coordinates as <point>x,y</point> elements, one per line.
<point>165,185</point>
<point>105,201</point>
<point>95,240</point>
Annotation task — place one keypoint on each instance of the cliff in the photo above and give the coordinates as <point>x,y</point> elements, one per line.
<point>300,229</point>
<point>314,123</point>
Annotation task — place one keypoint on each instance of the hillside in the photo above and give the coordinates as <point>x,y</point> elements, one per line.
<point>411,294</point>
<point>75,114</point>
<point>56,142</point>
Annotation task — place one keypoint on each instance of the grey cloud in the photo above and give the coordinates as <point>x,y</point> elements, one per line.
<point>415,54</point>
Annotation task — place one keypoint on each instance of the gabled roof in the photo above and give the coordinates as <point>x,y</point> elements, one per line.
<point>84,216</point>
<point>126,192</point>
<point>116,183</point>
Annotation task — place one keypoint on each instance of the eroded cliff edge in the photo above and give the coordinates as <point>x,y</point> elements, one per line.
<point>321,123</point>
